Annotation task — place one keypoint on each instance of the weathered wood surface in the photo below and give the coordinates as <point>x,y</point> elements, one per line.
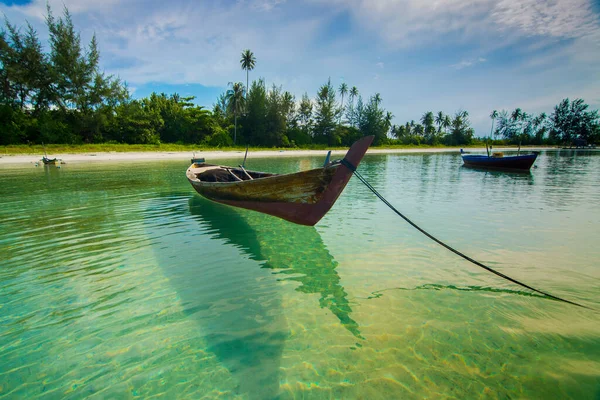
<point>303,197</point>
<point>301,187</point>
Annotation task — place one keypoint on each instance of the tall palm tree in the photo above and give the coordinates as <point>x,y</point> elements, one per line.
<point>248,62</point>
<point>388,120</point>
<point>236,102</point>
<point>439,120</point>
<point>447,122</point>
<point>343,90</point>
<point>540,129</point>
<point>505,125</point>
<point>540,119</point>
<point>353,92</point>
<point>427,121</point>
<point>516,115</point>
<point>353,95</point>
<point>377,99</point>
<point>493,116</point>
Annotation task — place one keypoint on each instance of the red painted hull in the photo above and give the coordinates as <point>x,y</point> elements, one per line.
<point>303,198</point>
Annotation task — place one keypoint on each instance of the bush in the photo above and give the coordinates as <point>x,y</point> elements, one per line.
<point>299,136</point>
<point>13,125</point>
<point>54,130</point>
<point>220,138</point>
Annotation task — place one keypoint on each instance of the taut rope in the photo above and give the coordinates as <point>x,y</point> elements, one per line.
<point>348,165</point>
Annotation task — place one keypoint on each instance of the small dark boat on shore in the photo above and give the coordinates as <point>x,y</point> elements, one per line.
<point>499,161</point>
<point>50,161</point>
<point>302,197</point>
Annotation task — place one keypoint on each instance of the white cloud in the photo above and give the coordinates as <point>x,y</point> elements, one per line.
<point>462,64</point>
<point>266,5</point>
<point>183,42</point>
<point>37,8</point>
<point>407,23</point>
<point>468,63</point>
<point>558,18</point>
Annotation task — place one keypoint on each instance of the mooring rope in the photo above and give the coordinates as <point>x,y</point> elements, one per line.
<point>430,236</point>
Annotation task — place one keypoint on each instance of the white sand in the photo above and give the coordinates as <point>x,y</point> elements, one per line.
<point>8,161</point>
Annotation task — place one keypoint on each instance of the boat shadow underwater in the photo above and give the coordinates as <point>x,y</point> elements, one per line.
<point>227,281</point>
<point>294,251</point>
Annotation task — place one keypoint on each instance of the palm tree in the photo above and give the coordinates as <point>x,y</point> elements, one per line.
<point>353,92</point>
<point>516,115</point>
<point>540,119</point>
<point>493,116</point>
<point>343,90</point>
<point>236,102</point>
<point>447,122</point>
<point>427,121</point>
<point>388,120</point>
<point>350,114</point>
<point>377,99</point>
<point>439,120</point>
<point>248,62</point>
<point>537,122</point>
<point>504,123</point>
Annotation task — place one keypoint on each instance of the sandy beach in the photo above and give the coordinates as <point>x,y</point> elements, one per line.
<point>8,161</point>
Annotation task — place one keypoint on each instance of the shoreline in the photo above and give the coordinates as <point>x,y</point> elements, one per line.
<point>21,160</point>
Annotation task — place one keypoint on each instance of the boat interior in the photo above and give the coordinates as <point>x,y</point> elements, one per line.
<point>217,173</point>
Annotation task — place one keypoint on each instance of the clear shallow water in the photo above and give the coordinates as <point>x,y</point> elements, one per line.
<point>118,281</point>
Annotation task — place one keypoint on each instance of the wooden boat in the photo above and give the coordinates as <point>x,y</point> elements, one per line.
<point>50,161</point>
<point>499,161</point>
<point>302,197</point>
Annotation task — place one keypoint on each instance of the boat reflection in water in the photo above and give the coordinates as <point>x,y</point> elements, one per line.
<point>286,248</point>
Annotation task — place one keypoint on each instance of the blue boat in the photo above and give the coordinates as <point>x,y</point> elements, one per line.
<point>499,161</point>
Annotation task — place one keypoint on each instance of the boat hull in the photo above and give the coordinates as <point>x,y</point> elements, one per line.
<point>50,161</point>
<point>520,163</point>
<point>303,197</point>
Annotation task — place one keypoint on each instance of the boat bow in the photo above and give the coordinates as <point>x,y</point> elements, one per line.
<point>303,197</point>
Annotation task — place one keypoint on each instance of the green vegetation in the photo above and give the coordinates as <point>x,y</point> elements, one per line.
<point>570,123</point>
<point>460,133</point>
<point>63,97</point>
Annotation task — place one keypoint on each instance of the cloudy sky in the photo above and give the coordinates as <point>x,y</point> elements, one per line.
<point>476,55</point>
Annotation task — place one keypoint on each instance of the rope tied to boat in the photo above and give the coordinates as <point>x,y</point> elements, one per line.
<point>348,165</point>
<point>352,168</point>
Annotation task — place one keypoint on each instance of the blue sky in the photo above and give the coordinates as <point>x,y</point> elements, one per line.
<point>441,55</point>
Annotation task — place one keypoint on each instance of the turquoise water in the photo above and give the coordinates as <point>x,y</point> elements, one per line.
<point>118,281</point>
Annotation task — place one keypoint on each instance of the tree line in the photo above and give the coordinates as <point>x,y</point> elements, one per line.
<point>273,117</point>
<point>62,96</point>
<point>436,129</point>
<point>570,122</point>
